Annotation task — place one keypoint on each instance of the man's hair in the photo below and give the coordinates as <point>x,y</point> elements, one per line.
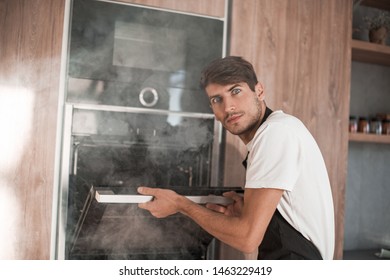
<point>228,70</point>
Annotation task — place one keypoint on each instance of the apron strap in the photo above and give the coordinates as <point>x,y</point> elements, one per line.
<point>267,113</point>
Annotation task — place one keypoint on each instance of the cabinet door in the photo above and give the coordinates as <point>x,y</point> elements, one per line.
<point>301,52</point>
<point>30,56</point>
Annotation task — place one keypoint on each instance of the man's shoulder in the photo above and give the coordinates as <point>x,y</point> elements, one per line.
<point>281,117</point>
<point>279,121</point>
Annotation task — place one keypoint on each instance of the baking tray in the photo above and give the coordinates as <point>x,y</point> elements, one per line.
<point>108,196</point>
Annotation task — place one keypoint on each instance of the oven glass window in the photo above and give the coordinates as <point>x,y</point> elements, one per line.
<point>134,56</point>
<point>119,151</point>
<point>130,149</point>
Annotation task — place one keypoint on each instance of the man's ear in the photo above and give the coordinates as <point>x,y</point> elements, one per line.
<point>260,91</point>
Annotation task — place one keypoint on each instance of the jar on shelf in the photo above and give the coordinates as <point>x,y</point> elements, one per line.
<point>363,125</point>
<point>386,127</point>
<point>353,124</point>
<point>376,126</point>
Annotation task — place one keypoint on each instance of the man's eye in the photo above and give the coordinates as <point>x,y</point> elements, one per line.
<point>216,100</point>
<point>236,91</point>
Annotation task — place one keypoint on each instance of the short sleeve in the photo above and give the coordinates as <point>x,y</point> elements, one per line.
<point>274,158</point>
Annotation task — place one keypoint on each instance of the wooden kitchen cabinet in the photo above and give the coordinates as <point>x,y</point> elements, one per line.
<point>301,51</point>
<point>30,58</point>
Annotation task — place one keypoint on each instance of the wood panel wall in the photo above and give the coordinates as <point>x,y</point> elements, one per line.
<point>300,49</point>
<point>301,52</point>
<point>30,48</point>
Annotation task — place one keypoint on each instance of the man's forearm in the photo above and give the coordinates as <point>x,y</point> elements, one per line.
<point>231,230</point>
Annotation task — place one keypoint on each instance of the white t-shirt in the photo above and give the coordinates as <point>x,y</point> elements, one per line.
<point>284,155</point>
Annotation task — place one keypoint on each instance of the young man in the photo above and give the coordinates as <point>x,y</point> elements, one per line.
<point>287,208</point>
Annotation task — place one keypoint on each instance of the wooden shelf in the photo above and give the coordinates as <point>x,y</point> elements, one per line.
<point>379,4</point>
<point>370,53</point>
<point>369,138</point>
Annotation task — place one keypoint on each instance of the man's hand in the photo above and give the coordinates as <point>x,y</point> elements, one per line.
<point>233,209</point>
<point>164,203</point>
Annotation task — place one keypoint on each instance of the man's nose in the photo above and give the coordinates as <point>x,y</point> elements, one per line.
<point>229,105</point>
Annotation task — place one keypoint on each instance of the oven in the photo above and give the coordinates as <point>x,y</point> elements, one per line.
<point>133,115</point>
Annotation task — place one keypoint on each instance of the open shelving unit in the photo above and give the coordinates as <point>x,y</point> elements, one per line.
<point>371,53</point>
<point>367,52</point>
<point>366,137</point>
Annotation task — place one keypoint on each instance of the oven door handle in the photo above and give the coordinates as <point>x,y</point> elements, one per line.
<point>108,196</point>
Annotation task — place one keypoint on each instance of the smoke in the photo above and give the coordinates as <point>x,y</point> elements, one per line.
<point>116,51</point>
<point>9,224</point>
<point>124,231</point>
<point>16,105</point>
<point>16,108</point>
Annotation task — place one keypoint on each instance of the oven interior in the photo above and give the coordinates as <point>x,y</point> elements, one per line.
<point>120,151</point>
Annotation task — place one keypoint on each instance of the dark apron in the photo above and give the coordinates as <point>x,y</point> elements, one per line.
<point>282,241</point>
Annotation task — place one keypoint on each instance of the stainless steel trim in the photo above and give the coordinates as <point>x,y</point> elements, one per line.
<point>55,246</point>
<point>225,28</point>
<point>215,157</point>
<point>64,182</point>
<point>161,9</point>
<point>123,109</point>
<point>107,196</point>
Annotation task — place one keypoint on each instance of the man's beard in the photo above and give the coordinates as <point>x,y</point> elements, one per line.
<point>253,123</point>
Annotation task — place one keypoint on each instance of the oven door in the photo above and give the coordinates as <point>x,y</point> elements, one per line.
<point>107,152</point>
<point>111,226</point>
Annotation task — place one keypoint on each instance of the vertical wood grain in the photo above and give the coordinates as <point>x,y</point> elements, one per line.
<point>301,52</point>
<point>30,44</point>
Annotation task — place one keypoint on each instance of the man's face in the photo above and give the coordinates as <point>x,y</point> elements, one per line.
<point>237,107</point>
